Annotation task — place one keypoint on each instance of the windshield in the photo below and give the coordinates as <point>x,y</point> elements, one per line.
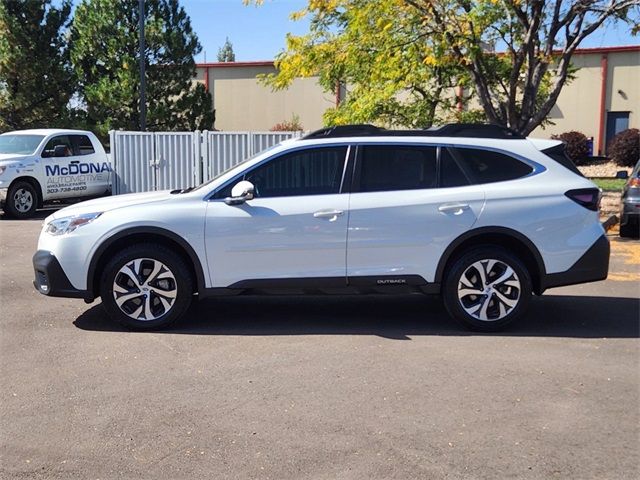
<point>19,144</point>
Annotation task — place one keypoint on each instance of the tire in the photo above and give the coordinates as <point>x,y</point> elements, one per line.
<point>146,287</point>
<point>21,201</point>
<point>497,304</point>
<point>630,229</point>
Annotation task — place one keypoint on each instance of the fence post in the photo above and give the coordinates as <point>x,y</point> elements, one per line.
<point>114,162</point>
<point>197,158</point>
<point>251,145</point>
<point>204,159</point>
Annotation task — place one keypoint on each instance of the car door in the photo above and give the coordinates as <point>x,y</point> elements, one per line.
<point>401,216</point>
<point>295,228</point>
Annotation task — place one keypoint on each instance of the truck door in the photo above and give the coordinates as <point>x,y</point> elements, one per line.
<point>72,169</point>
<point>92,160</point>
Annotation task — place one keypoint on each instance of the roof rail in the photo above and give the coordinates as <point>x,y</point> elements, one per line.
<point>477,130</point>
<point>474,130</point>
<point>345,131</point>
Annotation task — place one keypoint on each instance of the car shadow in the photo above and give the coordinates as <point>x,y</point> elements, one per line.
<point>391,317</point>
<point>40,215</point>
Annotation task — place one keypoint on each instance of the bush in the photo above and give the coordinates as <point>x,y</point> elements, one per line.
<point>577,146</point>
<point>624,148</point>
<point>292,125</point>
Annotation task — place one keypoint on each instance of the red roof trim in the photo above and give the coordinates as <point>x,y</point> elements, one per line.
<point>621,48</point>
<point>260,63</point>
<point>269,63</point>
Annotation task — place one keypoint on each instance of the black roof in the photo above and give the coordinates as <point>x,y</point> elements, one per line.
<point>473,130</point>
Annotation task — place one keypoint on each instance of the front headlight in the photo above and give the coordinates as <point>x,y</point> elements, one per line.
<point>60,226</point>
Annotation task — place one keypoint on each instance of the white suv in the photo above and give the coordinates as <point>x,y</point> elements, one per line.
<point>474,212</point>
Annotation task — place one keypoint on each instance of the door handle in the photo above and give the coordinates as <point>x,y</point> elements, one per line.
<point>455,208</point>
<point>74,162</point>
<point>332,215</point>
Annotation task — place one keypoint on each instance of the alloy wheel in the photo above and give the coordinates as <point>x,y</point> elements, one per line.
<point>145,289</point>
<point>489,290</point>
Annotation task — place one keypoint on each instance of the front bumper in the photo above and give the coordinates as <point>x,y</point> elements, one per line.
<point>590,267</point>
<point>3,196</point>
<point>51,280</point>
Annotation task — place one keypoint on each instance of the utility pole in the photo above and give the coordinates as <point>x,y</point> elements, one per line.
<point>143,81</point>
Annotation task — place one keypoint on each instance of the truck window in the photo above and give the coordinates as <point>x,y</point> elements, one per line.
<point>54,142</point>
<point>83,145</point>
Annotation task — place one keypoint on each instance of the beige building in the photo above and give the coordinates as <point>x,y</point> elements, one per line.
<point>243,103</point>
<point>602,100</point>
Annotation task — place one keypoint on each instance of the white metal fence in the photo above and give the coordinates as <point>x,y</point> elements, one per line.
<point>146,161</point>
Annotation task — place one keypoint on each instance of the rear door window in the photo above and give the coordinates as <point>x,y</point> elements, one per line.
<point>382,168</point>
<point>83,145</point>
<point>450,172</point>
<point>487,166</point>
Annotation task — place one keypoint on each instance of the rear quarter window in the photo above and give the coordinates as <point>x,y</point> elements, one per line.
<point>487,166</point>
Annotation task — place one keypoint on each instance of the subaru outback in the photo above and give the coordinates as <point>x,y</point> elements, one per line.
<point>476,213</point>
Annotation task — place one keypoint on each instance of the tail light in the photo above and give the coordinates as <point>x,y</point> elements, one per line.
<point>587,197</point>
<point>634,182</point>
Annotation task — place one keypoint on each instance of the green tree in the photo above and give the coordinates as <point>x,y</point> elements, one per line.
<point>400,59</point>
<point>36,81</point>
<point>225,53</point>
<point>377,50</point>
<point>518,87</point>
<point>104,52</point>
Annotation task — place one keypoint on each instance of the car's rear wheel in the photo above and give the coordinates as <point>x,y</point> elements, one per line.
<point>22,200</point>
<point>146,287</point>
<point>487,288</point>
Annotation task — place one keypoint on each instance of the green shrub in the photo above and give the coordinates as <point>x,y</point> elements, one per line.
<point>577,146</point>
<point>624,148</point>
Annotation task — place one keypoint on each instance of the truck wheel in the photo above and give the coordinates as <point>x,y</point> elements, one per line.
<point>146,287</point>
<point>22,200</point>
<point>487,288</point>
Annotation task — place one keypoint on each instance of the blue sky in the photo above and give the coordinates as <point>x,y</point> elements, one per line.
<point>257,33</point>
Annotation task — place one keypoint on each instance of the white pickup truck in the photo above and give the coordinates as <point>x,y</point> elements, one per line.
<point>40,166</point>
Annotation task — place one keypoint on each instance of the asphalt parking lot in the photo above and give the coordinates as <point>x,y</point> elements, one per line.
<point>319,387</point>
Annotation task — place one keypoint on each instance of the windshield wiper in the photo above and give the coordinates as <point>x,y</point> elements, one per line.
<point>181,190</point>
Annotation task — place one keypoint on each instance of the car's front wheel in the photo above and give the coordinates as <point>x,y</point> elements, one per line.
<point>487,288</point>
<point>146,287</point>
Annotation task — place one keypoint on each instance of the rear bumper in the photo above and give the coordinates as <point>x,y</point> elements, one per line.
<point>51,280</point>
<point>630,212</point>
<point>591,267</point>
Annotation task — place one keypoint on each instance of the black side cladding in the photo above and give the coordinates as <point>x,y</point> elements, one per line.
<point>591,267</point>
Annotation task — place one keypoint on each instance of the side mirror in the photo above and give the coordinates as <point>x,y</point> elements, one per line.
<point>240,193</point>
<point>622,174</point>
<point>59,151</point>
